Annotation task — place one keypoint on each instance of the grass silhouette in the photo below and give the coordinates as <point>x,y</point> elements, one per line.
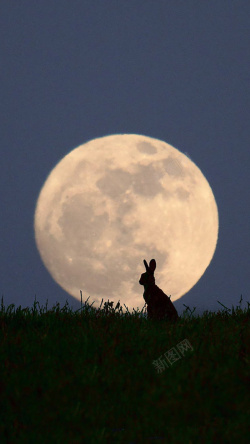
<point>90,376</point>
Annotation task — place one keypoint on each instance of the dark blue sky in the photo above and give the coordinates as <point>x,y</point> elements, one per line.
<point>72,71</point>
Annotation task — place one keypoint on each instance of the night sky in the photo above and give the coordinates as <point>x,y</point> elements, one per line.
<point>72,71</point>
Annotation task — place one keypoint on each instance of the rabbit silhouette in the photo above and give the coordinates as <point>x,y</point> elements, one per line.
<point>159,305</point>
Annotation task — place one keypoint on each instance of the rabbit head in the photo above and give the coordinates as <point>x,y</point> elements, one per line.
<point>148,277</point>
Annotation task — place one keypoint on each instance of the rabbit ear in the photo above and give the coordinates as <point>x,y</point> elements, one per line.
<point>152,264</point>
<point>146,265</point>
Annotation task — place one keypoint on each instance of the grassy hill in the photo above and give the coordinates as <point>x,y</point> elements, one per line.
<point>101,376</point>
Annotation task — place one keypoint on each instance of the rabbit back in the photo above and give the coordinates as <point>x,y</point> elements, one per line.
<point>160,305</point>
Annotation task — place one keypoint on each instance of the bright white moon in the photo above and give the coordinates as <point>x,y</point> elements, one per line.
<point>116,200</point>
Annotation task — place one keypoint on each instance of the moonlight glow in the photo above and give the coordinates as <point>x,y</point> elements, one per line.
<point>116,200</point>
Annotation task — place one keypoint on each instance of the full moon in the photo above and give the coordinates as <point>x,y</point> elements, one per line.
<point>119,199</point>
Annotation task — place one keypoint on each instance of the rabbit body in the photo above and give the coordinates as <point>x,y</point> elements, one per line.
<point>159,305</point>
